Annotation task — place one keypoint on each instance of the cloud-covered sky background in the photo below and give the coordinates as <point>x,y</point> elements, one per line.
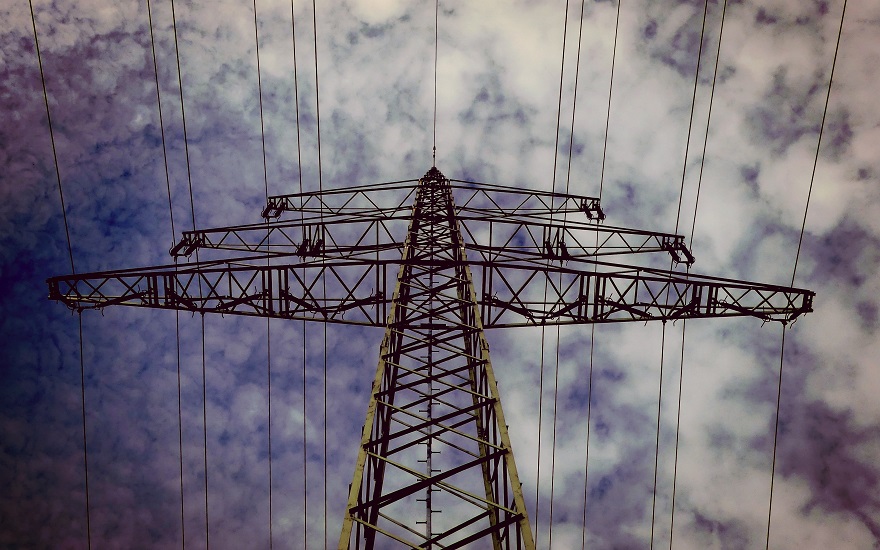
<point>498,84</point>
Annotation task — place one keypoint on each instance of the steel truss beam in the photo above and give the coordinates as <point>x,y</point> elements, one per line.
<point>490,235</point>
<point>390,198</point>
<point>373,219</point>
<point>359,291</point>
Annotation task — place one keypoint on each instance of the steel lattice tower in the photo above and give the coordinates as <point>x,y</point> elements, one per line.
<point>435,388</point>
<point>409,256</point>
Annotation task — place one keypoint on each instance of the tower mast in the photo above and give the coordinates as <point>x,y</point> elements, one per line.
<point>435,358</point>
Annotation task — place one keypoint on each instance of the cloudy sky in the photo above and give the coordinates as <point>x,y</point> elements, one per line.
<point>497,104</point>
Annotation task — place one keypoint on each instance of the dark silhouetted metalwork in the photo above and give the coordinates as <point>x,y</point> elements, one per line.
<point>434,261</point>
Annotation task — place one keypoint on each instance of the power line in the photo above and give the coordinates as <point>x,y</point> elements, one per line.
<point>305,471</point>
<point>593,325</point>
<point>296,101</point>
<point>192,203</point>
<point>657,443</point>
<point>72,269</point>
<point>180,429</point>
<point>173,233</point>
<point>553,445</point>
<point>587,450</point>
<point>205,430</point>
<point>677,220</point>
<point>323,279</point>
<point>819,143</point>
<point>161,120</point>
<point>544,328</point>
<point>268,255</point>
<point>708,123</point>
<point>677,432</point>
<point>317,98</point>
<point>690,246</point>
<point>577,70</point>
<point>82,374</point>
<point>608,110</point>
<point>794,271</point>
<point>52,136</point>
<point>304,347</point>
<point>687,145</point>
<point>260,97</point>
<point>565,218</point>
<point>559,102</point>
<point>193,217</point>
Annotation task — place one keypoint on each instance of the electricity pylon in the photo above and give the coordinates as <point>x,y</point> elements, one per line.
<point>435,466</point>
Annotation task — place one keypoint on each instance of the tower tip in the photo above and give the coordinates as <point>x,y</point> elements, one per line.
<point>434,174</point>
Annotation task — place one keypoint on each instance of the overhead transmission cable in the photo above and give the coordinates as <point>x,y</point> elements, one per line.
<point>161,120</point>
<point>323,279</point>
<point>677,222</point>
<point>302,223</point>
<point>82,370</point>
<point>794,269</point>
<point>268,255</point>
<point>558,330</point>
<point>610,94</point>
<point>690,246</point>
<point>546,281</point>
<point>593,325</point>
<point>193,217</point>
<point>52,137</point>
<point>173,236</point>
